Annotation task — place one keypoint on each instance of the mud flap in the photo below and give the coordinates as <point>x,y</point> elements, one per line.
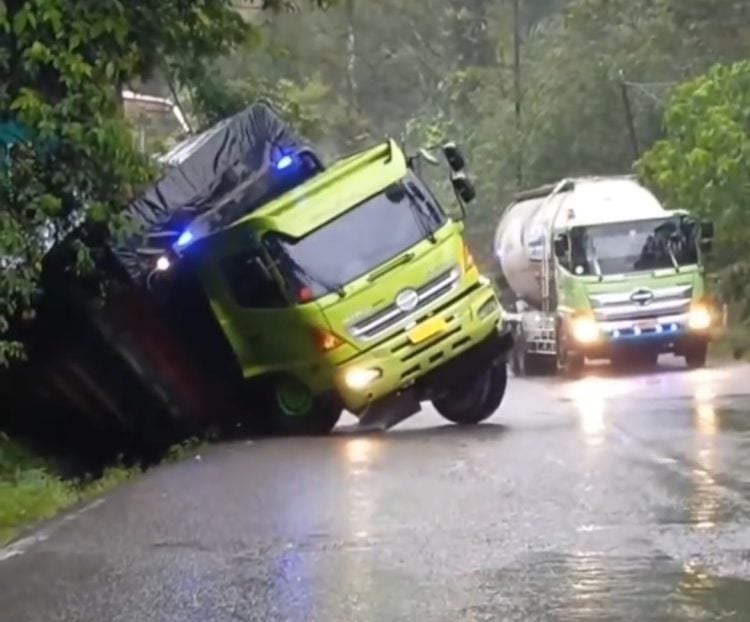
<point>389,411</point>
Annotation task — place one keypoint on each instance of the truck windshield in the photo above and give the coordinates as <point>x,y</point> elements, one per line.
<point>619,248</point>
<point>357,241</point>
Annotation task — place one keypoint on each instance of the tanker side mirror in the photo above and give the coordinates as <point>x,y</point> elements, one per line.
<point>561,245</point>
<point>454,157</point>
<point>707,236</point>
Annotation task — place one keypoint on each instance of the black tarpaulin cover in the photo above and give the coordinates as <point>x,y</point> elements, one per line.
<point>201,172</point>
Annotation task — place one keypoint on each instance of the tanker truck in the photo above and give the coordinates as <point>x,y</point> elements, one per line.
<point>597,268</point>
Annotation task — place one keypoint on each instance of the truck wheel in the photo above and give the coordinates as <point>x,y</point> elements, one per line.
<point>696,355</point>
<point>293,410</point>
<point>572,365</point>
<point>468,403</point>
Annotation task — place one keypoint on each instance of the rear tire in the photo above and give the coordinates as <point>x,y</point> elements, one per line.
<point>696,355</point>
<point>469,403</point>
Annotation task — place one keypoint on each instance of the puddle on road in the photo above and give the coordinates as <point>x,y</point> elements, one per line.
<point>595,587</point>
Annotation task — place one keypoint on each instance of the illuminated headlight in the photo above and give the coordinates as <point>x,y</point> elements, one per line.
<point>487,307</point>
<point>585,330</point>
<point>361,378</point>
<point>163,264</point>
<point>699,318</point>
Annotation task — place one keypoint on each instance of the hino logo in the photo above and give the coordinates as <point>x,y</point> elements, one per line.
<point>407,300</point>
<point>642,296</point>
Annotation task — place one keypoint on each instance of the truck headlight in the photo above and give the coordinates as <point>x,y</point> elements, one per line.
<point>585,330</point>
<point>356,378</point>
<point>699,318</point>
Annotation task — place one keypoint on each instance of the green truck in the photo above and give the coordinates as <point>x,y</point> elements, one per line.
<point>599,269</point>
<point>349,287</point>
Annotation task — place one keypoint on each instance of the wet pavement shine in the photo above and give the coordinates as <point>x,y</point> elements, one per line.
<point>606,498</point>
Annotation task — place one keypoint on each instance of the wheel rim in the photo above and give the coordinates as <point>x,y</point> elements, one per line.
<point>293,397</point>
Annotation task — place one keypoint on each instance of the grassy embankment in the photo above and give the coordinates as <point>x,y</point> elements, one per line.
<point>32,490</point>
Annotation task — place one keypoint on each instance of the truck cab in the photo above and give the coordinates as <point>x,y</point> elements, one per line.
<point>607,273</point>
<point>355,290</point>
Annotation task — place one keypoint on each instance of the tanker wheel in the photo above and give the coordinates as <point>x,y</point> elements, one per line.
<point>525,363</point>
<point>697,355</point>
<point>469,403</point>
<point>570,364</point>
<point>291,409</point>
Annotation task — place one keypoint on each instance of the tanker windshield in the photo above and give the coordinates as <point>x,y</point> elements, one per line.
<point>356,242</point>
<point>619,248</point>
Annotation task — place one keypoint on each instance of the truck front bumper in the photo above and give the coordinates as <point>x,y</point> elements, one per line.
<point>470,333</point>
<point>663,334</point>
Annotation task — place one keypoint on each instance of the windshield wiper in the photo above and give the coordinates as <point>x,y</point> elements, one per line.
<point>595,261</point>
<point>328,286</point>
<point>672,256</point>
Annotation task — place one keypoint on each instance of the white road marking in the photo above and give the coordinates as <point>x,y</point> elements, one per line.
<point>24,544</point>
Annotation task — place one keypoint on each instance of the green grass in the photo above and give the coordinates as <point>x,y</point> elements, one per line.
<point>32,491</point>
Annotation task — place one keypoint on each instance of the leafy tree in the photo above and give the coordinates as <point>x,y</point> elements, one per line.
<point>703,163</point>
<point>62,66</point>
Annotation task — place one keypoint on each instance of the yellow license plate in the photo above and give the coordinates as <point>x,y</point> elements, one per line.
<point>427,329</point>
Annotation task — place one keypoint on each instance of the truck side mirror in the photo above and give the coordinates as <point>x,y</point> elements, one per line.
<point>464,187</point>
<point>707,236</point>
<point>561,245</point>
<point>454,157</point>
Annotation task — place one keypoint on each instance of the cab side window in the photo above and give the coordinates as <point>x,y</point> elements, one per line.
<point>250,285</point>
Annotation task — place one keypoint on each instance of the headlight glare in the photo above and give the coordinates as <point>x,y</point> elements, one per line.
<point>357,378</point>
<point>585,330</point>
<point>699,318</point>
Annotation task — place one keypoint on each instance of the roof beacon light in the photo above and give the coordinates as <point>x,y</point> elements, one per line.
<point>185,239</point>
<point>283,162</point>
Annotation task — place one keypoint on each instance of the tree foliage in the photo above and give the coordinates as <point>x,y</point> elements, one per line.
<point>420,72</point>
<point>703,162</point>
<point>62,65</point>
<point>423,72</point>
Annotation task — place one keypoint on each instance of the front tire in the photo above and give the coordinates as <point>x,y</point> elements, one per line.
<point>469,403</point>
<point>696,355</point>
<point>290,409</point>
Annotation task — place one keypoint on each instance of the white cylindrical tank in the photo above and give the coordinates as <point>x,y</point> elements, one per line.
<point>526,224</point>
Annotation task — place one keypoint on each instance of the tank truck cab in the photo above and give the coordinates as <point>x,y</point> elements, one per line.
<point>604,272</point>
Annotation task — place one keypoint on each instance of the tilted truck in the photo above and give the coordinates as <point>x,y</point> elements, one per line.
<point>600,270</point>
<point>326,288</point>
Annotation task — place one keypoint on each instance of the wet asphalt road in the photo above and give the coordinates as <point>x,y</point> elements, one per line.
<point>603,499</point>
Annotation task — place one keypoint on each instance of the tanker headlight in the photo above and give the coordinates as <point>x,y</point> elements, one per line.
<point>699,317</point>
<point>585,330</point>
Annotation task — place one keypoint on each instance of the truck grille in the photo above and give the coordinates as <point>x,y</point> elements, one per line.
<point>387,318</point>
<point>641,303</point>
